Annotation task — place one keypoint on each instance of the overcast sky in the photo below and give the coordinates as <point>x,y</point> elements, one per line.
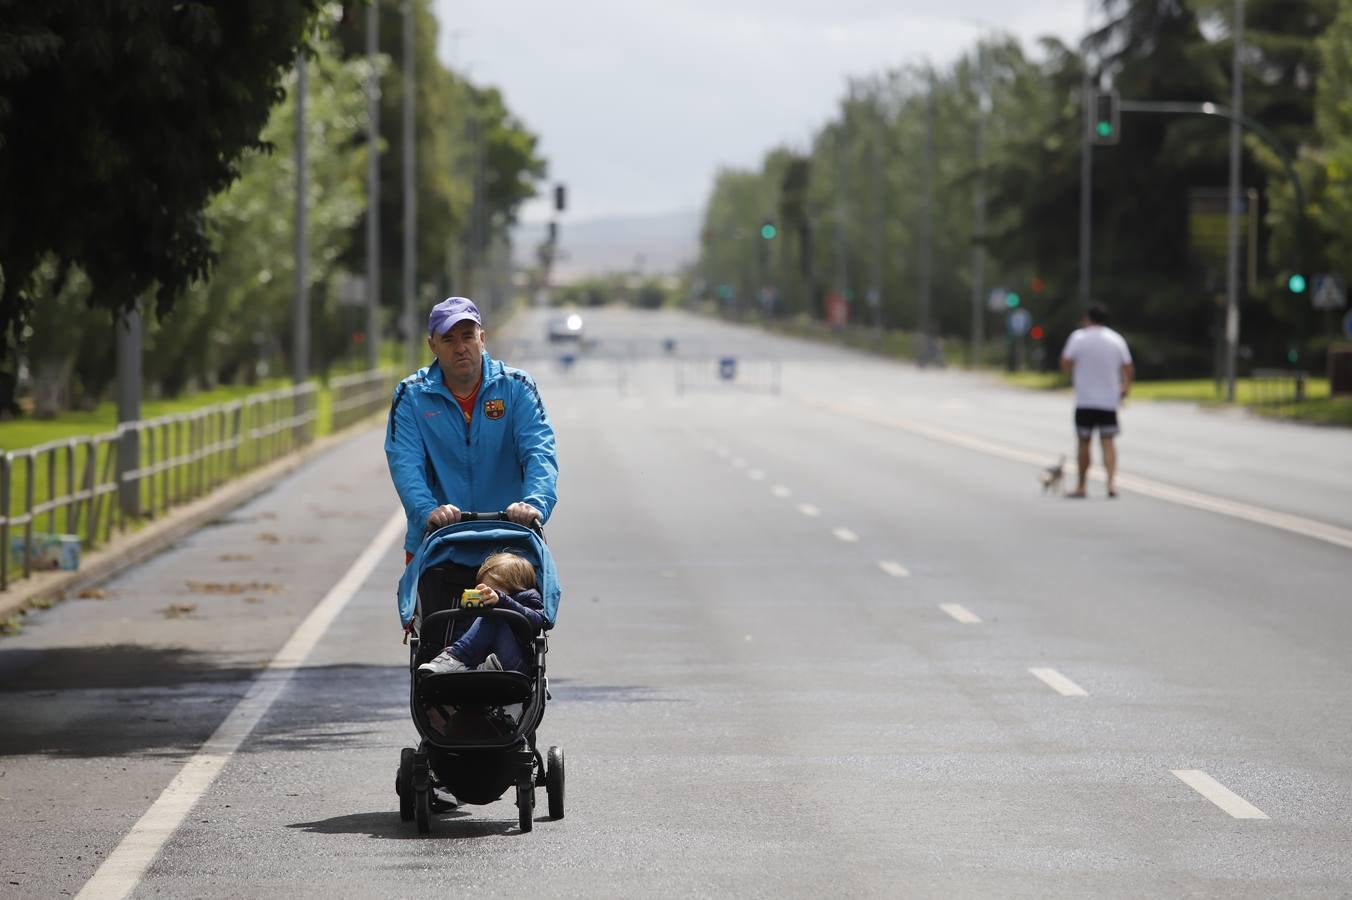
<point>639,102</point>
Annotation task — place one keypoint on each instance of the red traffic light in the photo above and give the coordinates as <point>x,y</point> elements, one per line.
<point>1036,332</point>
<point>1038,285</point>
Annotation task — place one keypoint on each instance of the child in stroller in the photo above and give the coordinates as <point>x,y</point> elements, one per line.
<point>505,580</point>
<point>478,726</point>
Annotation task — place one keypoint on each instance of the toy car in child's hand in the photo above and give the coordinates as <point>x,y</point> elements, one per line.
<point>471,598</point>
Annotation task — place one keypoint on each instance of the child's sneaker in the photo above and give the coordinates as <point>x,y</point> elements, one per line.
<point>491,664</point>
<point>443,664</point>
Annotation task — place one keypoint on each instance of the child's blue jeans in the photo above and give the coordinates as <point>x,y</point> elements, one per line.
<point>485,636</point>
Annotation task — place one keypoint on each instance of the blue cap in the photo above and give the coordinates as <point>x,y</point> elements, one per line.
<point>449,311</point>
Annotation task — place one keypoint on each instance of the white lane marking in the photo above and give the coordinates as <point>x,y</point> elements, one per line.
<point>1311,528</point>
<point>780,491</point>
<point>961,613</point>
<point>739,463</point>
<point>845,534</point>
<point>895,569</point>
<point>1219,794</point>
<point>756,475</point>
<point>723,451</point>
<point>125,866</point>
<point>808,509</point>
<point>1059,683</point>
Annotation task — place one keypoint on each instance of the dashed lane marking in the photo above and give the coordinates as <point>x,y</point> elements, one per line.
<point>895,569</point>
<point>125,866</point>
<point>808,509</point>
<point>1059,683</point>
<point>845,534</point>
<point>780,491</point>
<point>1219,794</point>
<point>756,475</point>
<point>961,613</point>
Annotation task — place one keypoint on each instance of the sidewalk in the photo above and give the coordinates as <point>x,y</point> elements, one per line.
<point>43,589</point>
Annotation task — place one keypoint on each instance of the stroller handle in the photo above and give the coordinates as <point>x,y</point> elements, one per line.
<point>497,516</point>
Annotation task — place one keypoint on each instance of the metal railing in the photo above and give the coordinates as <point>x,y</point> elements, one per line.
<point>1277,388</point>
<point>92,485</point>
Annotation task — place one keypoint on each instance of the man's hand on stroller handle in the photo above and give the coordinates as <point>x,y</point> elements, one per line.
<point>524,514</point>
<point>443,515</point>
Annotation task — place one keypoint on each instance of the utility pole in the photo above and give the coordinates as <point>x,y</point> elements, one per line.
<point>1232,238</point>
<point>129,406</point>
<point>875,290</point>
<point>842,275</point>
<point>1086,160</point>
<point>410,195</point>
<point>300,347</point>
<point>983,102</point>
<point>927,230</point>
<point>373,187</point>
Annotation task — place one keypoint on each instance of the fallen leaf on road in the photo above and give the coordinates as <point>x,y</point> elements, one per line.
<point>268,537</point>
<point>92,594</point>
<point>232,587</point>
<point>235,557</point>
<point>253,599</point>
<point>178,610</point>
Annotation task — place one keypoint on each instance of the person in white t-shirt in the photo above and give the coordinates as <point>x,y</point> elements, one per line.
<point>1099,363</point>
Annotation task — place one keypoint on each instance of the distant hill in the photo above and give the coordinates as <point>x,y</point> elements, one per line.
<point>664,242</point>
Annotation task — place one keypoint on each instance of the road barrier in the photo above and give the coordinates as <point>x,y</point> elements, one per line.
<point>725,373</point>
<point>81,487</point>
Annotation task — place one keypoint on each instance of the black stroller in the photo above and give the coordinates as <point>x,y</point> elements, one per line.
<point>477,727</point>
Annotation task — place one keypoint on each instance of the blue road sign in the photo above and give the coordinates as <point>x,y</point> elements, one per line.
<point>1019,322</point>
<point>727,368</point>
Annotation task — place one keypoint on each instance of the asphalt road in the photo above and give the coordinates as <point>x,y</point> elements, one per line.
<point>767,676</point>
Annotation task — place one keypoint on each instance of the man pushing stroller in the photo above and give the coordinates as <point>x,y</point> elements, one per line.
<point>471,433</point>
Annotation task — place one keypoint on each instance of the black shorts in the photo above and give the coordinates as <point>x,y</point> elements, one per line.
<point>1086,420</point>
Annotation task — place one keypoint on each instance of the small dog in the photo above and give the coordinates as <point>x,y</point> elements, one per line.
<point>1052,477</point>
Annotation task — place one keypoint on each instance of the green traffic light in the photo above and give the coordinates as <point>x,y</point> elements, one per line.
<point>1012,300</point>
<point>1105,129</point>
<point>1296,284</point>
<point>768,231</point>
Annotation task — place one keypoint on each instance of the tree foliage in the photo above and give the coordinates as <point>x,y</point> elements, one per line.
<point>842,209</point>
<point>118,123</point>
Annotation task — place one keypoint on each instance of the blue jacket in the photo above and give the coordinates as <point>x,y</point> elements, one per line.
<point>505,455</point>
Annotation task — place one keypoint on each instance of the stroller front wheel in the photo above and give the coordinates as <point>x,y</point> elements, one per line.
<point>525,805</point>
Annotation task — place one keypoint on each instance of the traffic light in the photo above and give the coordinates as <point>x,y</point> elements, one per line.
<point>1038,285</point>
<point>768,230</point>
<point>1105,127</point>
<point>560,198</point>
<point>553,232</point>
<point>1012,300</point>
<point>1296,283</point>
<point>1036,332</point>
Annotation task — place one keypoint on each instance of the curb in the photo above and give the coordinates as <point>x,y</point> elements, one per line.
<point>42,589</point>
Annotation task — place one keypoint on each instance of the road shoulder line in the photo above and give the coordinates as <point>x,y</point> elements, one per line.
<point>122,871</point>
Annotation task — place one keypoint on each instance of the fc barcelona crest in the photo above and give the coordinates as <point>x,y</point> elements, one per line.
<point>494,409</point>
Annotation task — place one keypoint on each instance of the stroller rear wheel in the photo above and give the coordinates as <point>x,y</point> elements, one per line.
<point>554,782</point>
<point>403,784</point>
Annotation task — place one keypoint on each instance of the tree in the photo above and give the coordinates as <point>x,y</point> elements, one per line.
<point>118,123</point>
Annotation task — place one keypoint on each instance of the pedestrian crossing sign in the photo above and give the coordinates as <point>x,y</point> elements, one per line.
<point>1329,292</point>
